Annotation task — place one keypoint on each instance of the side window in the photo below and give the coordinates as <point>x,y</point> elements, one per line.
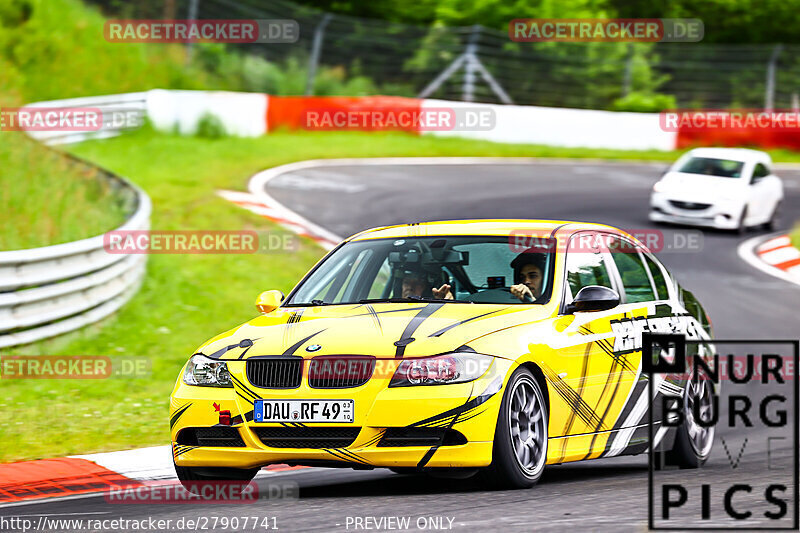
<point>658,278</point>
<point>635,278</point>
<point>586,268</point>
<point>760,171</point>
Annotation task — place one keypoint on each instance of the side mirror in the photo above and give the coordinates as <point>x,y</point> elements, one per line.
<point>594,298</point>
<point>268,301</point>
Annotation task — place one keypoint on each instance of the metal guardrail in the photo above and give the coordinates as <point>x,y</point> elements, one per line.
<point>48,291</point>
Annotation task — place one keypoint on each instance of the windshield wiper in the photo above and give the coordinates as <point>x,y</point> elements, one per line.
<point>415,299</point>
<point>307,304</point>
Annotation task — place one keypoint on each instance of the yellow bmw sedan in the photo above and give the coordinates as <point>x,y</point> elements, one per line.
<point>489,347</point>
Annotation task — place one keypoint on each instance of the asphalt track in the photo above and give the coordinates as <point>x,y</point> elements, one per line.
<point>602,495</point>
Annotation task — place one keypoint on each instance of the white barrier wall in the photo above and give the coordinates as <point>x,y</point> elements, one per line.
<point>242,114</point>
<point>245,115</point>
<point>553,126</point>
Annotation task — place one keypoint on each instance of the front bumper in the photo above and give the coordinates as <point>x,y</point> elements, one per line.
<point>469,409</point>
<point>720,214</point>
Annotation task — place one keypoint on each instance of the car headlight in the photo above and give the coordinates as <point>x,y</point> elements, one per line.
<point>441,369</point>
<point>659,186</point>
<point>204,372</point>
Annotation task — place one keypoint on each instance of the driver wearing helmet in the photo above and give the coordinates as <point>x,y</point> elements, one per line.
<point>528,275</point>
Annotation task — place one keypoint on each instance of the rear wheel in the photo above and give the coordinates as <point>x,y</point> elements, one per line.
<point>520,441</point>
<point>693,442</point>
<point>194,478</point>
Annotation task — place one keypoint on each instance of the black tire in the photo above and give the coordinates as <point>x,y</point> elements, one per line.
<point>507,470</point>
<point>192,477</point>
<point>741,229</point>
<point>686,452</point>
<point>774,220</point>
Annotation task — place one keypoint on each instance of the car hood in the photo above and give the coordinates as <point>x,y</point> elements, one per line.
<point>382,330</point>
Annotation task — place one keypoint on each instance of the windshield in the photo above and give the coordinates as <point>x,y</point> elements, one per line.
<point>724,168</point>
<point>485,269</point>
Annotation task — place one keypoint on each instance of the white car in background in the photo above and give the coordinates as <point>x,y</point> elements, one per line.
<point>725,188</point>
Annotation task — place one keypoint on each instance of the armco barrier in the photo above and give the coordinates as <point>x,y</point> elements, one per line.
<point>55,289</point>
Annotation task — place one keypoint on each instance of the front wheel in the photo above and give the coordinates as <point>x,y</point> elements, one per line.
<point>694,441</point>
<point>520,442</point>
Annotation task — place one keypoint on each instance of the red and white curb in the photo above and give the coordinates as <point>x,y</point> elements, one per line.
<point>77,476</point>
<point>279,214</point>
<point>773,255</point>
<point>780,253</point>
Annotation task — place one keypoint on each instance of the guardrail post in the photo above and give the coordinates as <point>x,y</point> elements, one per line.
<point>316,50</point>
<point>628,76</point>
<point>193,6</point>
<point>468,88</point>
<point>769,96</point>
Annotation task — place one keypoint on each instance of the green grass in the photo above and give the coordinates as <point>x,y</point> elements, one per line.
<point>794,235</point>
<point>46,199</point>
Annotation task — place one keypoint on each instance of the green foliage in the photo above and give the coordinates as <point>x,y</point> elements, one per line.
<point>642,102</point>
<point>210,127</point>
<point>52,49</point>
<point>255,74</point>
<point>726,21</point>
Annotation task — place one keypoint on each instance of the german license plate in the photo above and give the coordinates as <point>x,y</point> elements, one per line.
<point>303,411</point>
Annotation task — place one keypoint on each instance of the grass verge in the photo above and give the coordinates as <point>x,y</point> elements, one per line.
<point>794,235</point>
<point>48,199</point>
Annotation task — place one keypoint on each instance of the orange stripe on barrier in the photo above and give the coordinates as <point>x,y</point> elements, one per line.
<point>788,264</point>
<point>47,478</point>
<point>309,112</point>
